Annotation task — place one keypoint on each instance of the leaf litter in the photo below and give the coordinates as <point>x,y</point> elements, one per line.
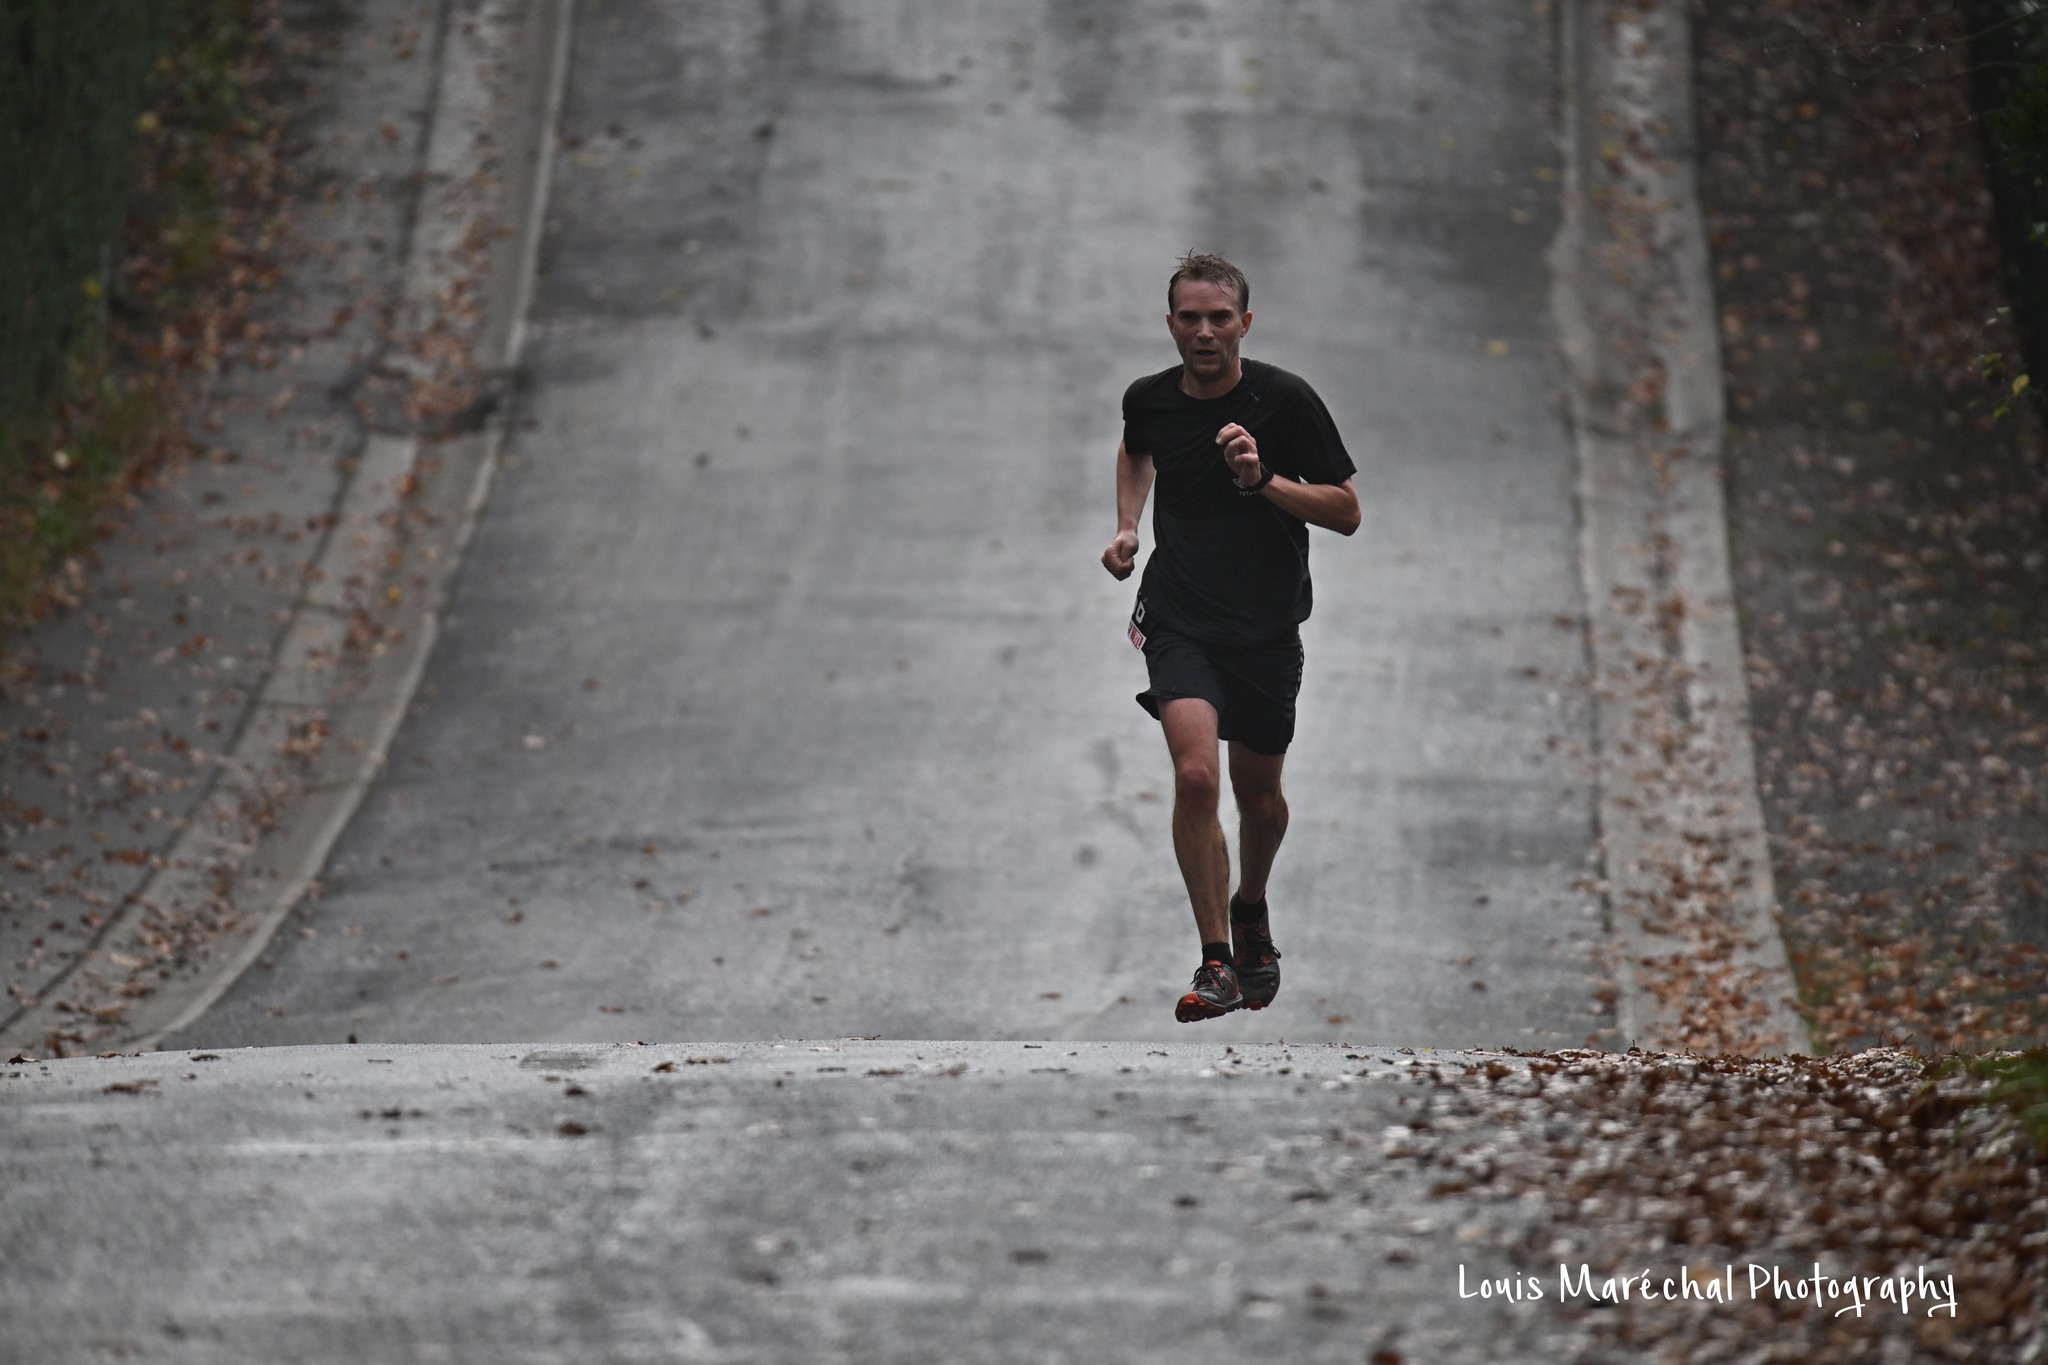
<point>1890,529</point>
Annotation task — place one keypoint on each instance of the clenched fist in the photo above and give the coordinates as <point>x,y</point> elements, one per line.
<point>1122,555</point>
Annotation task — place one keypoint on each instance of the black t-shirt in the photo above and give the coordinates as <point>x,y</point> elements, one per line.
<point>1225,568</point>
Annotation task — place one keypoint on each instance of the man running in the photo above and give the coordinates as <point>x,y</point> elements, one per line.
<point>1246,459</point>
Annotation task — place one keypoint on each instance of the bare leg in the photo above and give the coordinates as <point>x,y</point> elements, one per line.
<point>1261,817</point>
<point>1190,725</point>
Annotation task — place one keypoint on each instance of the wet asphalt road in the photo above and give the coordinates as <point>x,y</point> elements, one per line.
<point>754,1203</point>
<point>783,695</point>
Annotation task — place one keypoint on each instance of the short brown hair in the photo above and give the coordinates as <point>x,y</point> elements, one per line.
<point>1197,265</point>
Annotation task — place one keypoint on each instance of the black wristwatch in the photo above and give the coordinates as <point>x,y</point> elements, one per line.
<point>1265,477</point>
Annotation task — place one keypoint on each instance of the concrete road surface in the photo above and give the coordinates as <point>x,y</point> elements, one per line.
<point>783,695</point>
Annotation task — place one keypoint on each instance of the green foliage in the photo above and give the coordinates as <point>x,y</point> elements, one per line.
<point>2017,140</point>
<point>50,505</point>
<point>2009,90</point>
<point>2020,1083</point>
<point>74,79</point>
<point>2022,126</point>
<point>114,119</point>
<point>200,89</point>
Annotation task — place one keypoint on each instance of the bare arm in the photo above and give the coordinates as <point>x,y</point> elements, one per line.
<point>1134,474</point>
<point>1332,506</point>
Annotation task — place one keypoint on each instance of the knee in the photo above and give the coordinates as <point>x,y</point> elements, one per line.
<point>1196,785</point>
<point>1266,808</point>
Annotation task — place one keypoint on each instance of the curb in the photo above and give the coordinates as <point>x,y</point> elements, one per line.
<point>1688,868</point>
<point>336,692</point>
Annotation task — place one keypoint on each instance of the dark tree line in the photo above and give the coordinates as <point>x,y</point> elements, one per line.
<point>2009,90</point>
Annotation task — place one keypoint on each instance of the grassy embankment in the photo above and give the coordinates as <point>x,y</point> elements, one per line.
<point>137,187</point>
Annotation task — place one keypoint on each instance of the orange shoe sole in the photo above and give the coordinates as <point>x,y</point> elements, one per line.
<point>1193,1009</point>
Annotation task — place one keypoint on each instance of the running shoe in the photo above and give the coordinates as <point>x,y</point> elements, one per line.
<point>1214,993</point>
<point>1258,969</point>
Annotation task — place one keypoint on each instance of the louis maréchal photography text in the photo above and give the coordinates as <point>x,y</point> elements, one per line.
<point>1841,1294</point>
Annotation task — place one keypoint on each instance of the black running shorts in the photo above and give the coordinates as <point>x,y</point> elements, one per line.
<point>1252,687</point>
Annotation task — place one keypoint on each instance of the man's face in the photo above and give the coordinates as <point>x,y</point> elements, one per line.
<point>1207,328</point>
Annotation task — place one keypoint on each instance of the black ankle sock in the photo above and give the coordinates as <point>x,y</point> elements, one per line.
<point>1250,918</point>
<point>1215,952</point>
